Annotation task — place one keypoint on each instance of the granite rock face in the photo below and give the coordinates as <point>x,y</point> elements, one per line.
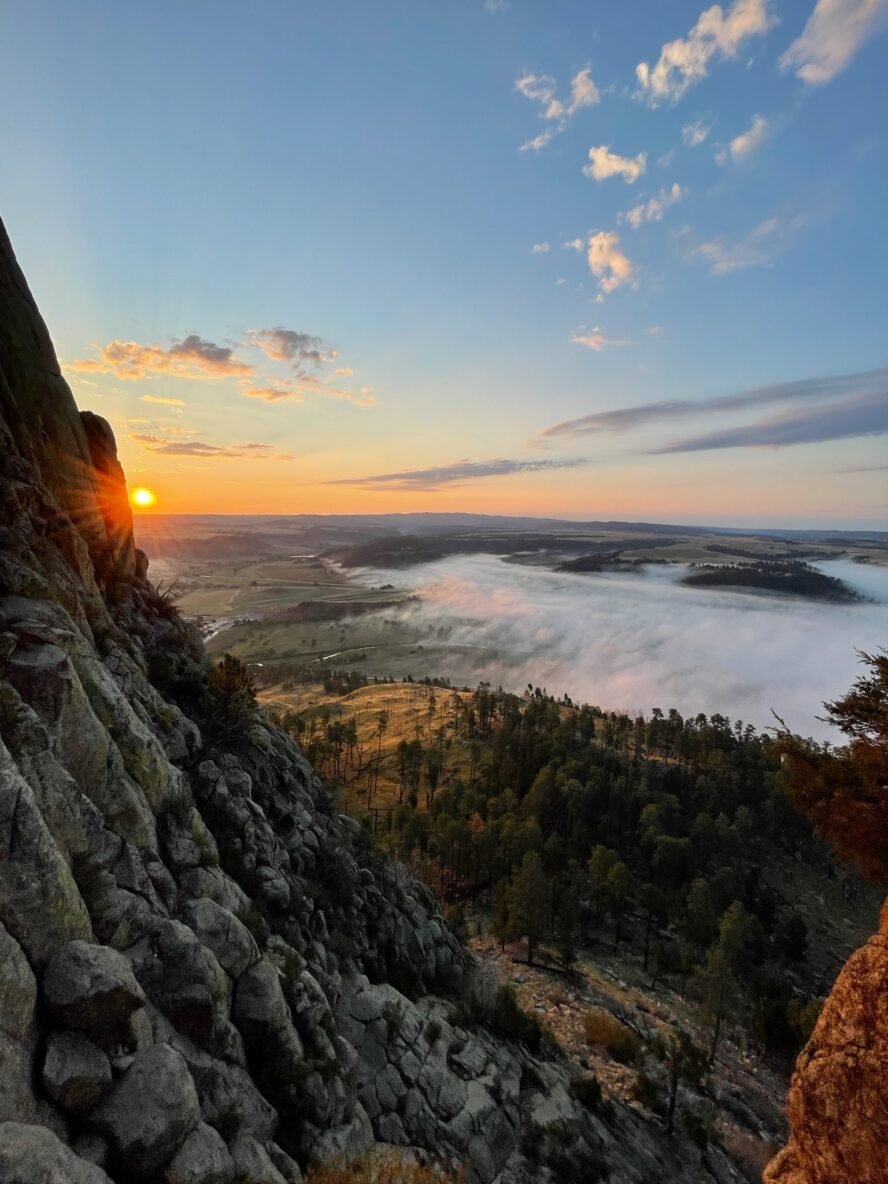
<point>838,1100</point>
<point>206,974</point>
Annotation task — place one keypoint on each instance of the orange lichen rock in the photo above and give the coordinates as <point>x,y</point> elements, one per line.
<point>838,1100</point>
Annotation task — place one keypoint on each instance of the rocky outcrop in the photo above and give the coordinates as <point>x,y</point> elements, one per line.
<point>206,974</point>
<point>838,1099</point>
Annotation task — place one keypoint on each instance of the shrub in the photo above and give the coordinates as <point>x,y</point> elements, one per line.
<point>604,1029</point>
<point>387,1169</point>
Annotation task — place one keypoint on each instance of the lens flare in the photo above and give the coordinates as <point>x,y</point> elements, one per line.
<point>143,497</point>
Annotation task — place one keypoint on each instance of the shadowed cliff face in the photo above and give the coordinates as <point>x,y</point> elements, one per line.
<point>74,455</point>
<point>838,1100</point>
<point>206,974</point>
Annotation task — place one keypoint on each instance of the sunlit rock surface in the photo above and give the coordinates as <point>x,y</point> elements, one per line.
<point>838,1100</point>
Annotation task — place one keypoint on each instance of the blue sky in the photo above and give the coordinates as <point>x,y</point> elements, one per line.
<point>288,250</point>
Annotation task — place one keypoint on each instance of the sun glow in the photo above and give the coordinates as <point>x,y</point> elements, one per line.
<point>143,497</point>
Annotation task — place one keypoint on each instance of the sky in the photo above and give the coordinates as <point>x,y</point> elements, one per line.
<point>574,259</point>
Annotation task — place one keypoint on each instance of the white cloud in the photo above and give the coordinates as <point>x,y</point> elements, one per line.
<point>542,89</point>
<point>595,339</point>
<point>583,92</point>
<point>604,164</point>
<point>835,31</point>
<point>539,142</point>
<point>666,159</point>
<point>717,34</point>
<point>607,262</point>
<point>747,142</point>
<point>653,209</point>
<point>693,134</point>
<point>540,248</point>
<point>495,6</point>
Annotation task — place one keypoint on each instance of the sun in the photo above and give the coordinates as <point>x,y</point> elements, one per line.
<point>143,497</point>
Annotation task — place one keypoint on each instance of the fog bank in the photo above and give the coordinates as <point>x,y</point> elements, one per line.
<point>633,641</point>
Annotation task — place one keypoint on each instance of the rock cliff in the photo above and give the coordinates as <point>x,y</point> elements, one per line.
<point>838,1100</point>
<point>207,976</point>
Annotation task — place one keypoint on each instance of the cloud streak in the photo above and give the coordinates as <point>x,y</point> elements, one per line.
<point>757,248</point>
<point>835,32</point>
<point>595,339</point>
<point>868,384</point>
<point>863,416</point>
<point>718,34</point>
<point>458,473</point>
<point>163,446</point>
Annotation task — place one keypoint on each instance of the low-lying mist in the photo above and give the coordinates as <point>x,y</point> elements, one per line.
<point>633,641</point>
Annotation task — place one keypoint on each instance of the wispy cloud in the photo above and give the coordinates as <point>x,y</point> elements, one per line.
<point>295,391</point>
<point>866,415</point>
<point>747,142</point>
<point>717,34</point>
<point>604,164</point>
<point>758,248</point>
<point>868,384</point>
<point>595,339</point>
<point>835,31</point>
<point>540,248</point>
<point>495,6</point>
<point>654,208</point>
<point>164,446</point>
<point>694,134</point>
<point>165,401</point>
<point>456,474</point>
<point>542,90</point>
<point>291,345</point>
<point>192,357</point>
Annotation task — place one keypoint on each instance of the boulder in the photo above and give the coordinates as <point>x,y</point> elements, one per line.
<point>253,1163</point>
<point>34,1155</point>
<point>75,1072</point>
<point>150,1112</point>
<point>220,931</point>
<point>202,1159</point>
<point>87,986</point>
<point>18,989</point>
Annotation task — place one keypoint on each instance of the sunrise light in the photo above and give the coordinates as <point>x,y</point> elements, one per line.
<point>143,497</point>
